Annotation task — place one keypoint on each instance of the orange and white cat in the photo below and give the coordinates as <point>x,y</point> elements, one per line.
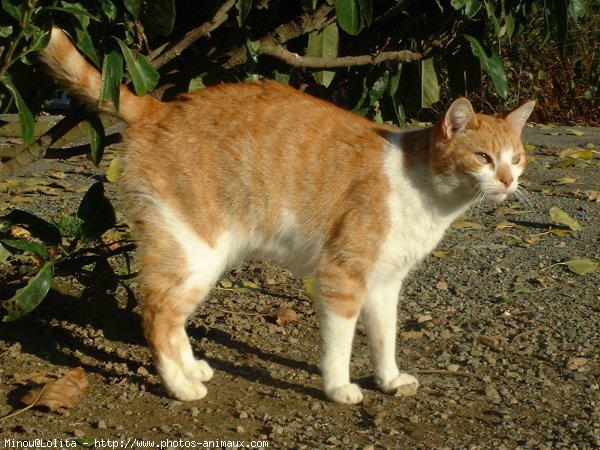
<point>263,171</point>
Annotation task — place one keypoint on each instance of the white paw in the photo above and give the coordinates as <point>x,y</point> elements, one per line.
<point>350,394</point>
<point>200,370</point>
<point>402,385</point>
<point>187,390</point>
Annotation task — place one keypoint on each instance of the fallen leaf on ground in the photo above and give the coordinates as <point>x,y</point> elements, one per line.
<point>575,132</point>
<point>35,377</point>
<point>582,266</point>
<point>62,393</point>
<point>593,196</point>
<point>466,225</point>
<point>562,218</point>
<point>285,316</point>
<point>576,153</point>
<point>565,180</point>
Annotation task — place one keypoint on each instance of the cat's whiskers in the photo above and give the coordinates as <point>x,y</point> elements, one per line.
<point>525,199</point>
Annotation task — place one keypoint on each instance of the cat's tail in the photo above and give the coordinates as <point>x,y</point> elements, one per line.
<point>72,71</point>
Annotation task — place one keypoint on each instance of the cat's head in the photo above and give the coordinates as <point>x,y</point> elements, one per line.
<point>478,155</point>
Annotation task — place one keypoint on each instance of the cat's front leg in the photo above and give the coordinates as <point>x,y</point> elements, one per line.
<point>379,316</point>
<point>340,298</point>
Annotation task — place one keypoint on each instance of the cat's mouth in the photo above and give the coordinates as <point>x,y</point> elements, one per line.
<point>498,197</point>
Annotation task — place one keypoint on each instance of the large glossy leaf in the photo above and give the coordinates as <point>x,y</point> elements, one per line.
<point>29,297</point>
<point>112,72</point>
<point>143,74</point>
<point>85,44</point>
<point>324,44</point>
<point>366,10</point>
<point>430,88</point>
<point>159,17</point>
<point>14,8</point>
<point>133,6</point>
<point>96,134</point>
<point>243,7</point>
<point>96,212</point>
<point>25,117</point>
<point>348,16</point>
<point>109,9</point>
<point>37,248</point>
<point>492,65</point>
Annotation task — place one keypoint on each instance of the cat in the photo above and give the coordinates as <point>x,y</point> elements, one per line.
<point>262,171</point>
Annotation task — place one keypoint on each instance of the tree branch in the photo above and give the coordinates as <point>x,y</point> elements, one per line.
<point>203,30</point>
<point>313,21</point>
<point>293,59</point>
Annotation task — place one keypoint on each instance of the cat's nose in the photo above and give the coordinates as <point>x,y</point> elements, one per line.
<point>506,180</point>
<point>505,176</point>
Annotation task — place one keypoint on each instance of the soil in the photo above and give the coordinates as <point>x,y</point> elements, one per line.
<point>504,338</point>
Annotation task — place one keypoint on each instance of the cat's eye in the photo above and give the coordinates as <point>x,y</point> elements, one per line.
<point>484,158</point>
<point>516,159</point>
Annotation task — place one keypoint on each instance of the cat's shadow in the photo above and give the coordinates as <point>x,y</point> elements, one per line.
<point>254,373</point>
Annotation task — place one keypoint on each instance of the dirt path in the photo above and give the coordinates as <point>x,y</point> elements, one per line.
<point>504,338</point>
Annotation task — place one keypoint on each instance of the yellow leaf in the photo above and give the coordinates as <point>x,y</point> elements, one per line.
<point>466,225</point>
<point>309,286</point>
<point>593,196</point>
<point>562,218</point>
<point>576,153</point>
<point>529,147</point>
<point>440,254</point>
<point>114,170</point>
<point>582,266</point>
<point>575,132</point>
<point>566,180</point>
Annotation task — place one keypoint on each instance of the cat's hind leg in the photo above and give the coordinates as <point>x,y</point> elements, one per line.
<point>379,316</point>
<point>175,279</point>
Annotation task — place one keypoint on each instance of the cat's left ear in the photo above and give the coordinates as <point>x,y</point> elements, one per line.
<point>519,116</point>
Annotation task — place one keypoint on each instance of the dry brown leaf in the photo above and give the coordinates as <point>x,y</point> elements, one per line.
<point>35,377</point>
<point>62,393</point>
<point>285,316</point>
<point>593,196</point>
<point>506,211</point>
<point>18,232</point>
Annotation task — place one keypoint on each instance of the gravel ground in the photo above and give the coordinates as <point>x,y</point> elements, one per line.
<point>504,339</point>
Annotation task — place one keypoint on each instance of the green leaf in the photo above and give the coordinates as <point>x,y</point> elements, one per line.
<point>366,8</point>
<point>348,16</point>
<point>96,134</point>
<point>582,266</point>
<point>143,74</point>
<point>14,8</point>
<point>134,7</point>
<point>197,83</point>
<point>28,298</point>
<point>159,17</point>
<point>491,65</point>
<point>25,117</point>
<point>472,8</point>
<point>430,88</point>
<point>324,44</point>
<point>379,88</point>
<point>577,9</point>
<point>562,218</point>
<point>85,44</point>
<point>243,7</point>
<point>25,245</point>
<point>458,4</point>
<point>109,9</point>
<point>394,81</point>
<point>112,72</point>
<point>96,213</point>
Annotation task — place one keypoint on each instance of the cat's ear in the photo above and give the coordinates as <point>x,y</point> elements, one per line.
<point>519,116</point>
<point>458,117</point>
